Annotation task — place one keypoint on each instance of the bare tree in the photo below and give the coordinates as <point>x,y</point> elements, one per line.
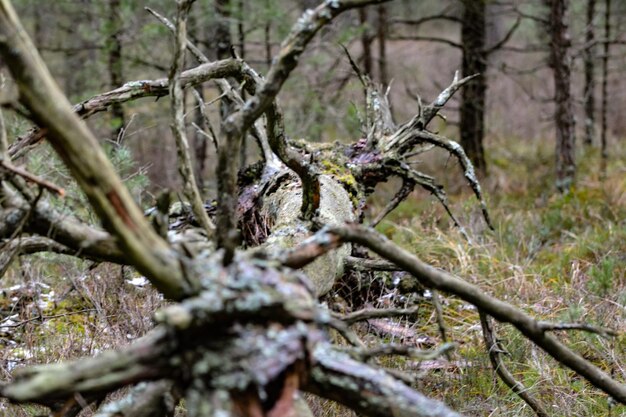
<point>564,108</point>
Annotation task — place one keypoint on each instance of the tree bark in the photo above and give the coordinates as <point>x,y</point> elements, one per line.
<point>366,42</point>
<point>590,80</point>
<point>383,74</point>
<point>472,124</point>
<point>115,66</point>
<point>564,106</point>
<point>605,88</point>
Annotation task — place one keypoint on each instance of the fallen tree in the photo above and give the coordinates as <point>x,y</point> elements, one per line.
<point>245,333</point>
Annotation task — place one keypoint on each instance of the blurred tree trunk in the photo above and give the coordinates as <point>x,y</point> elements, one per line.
<point>366,42</point>
<point>223,39</point>
<point>472,126</point>
<point>241,34</point>
<point>38,30</point>
<point>605,75</point>
<point>200,144</point>
<point>564,112</point>
<point>114,61</point>
<point>383,74</point>
<point>589,69</point>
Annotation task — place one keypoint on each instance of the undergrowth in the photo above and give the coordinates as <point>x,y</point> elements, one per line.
<point>559,257</point>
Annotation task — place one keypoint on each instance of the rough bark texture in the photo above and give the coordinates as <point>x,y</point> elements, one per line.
<point>605,86</point>
<point>115,65</point>
<point>474,94</point>
<point>282,210</point>
<point>564,106</point>
<point>590,79</point>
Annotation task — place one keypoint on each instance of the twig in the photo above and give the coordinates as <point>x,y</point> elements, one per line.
<point>362,264</point>
<point>197,53</point>
<point>55,316</point>
<point>375,313</point>
<point>6,165</point>
<point>422,136</point>
<point>346,332</point>
<point>205,120</point>
<point>406,189</point>
<point>495,356</point>
<point>364,354</point>
<point>178,122</point>
<point>441,323</point>
<point>602,331</point>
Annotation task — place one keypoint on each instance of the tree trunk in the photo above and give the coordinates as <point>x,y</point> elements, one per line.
<point>366,42</point>
<point>115,65</point>
<point>590,81</point>
<point>472,127</point>
<point>383,75</point>
<point>564,115</point>
<point>223,39</point>
<point>605,83</point>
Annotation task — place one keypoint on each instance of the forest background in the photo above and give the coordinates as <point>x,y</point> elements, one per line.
<point>559,254</point>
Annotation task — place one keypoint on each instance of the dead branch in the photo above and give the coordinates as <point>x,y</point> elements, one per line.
<point>495,356</point>
<point>133,90</point>
<point>364,355</point>
<point>375,313</point>
<point>362,264</point>
<point>405,189</point>
<point>178,123</point>
<point>238,123</point>
<point>154,399</point>
<point>338,377</point>
<point>12,169</point>
<point>602,331</point>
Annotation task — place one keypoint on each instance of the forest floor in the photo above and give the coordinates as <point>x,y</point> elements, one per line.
<point>558,257</point>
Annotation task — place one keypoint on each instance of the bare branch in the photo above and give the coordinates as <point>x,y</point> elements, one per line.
<point>505,38</point>
<point>376,313</point>
<point>362,264</point>
<point>154,399</point>
<point>238,123</point>
<point>495,356</point>
<point>406,189</point>
<point>9,167</point>
<point>401,350</point>
<point>197,53</point>
<point>602,331</point>
<point>426,39</point>
<point>421,20</point>
<point>340,378</point>
<point>4,143</point>
<point>133,90</point>
<point>178,122</point>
